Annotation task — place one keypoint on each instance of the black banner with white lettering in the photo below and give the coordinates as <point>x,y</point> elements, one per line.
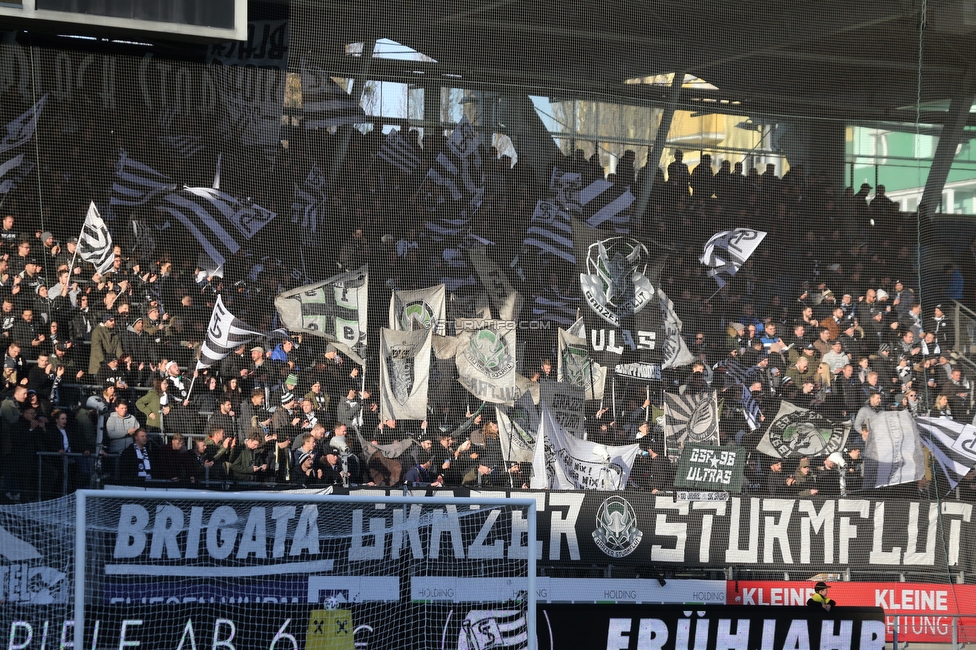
<point>643,529</point>
<point>674,627</point>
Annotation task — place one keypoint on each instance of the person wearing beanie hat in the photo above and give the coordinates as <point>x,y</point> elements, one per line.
<point>287,415</point>
<point>820,598</point>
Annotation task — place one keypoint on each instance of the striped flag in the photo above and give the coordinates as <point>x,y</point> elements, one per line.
<point>953,444</point>
<point>309,207</point>
<point>13,172</point>
<point>225,334</point>
<point>893,451</point>
<point>551,232</point>
<point>691,418</point>
<point>325,103</point>
<point>144,237</point>
<point>21,129</point>
<point>136,183</point>
<point>750,408</point>
<point>606,202</point>
<point>218,221</point>
<point>728,250</point>
<point>459,172</point>
<point>95,241</point>
<point>183,146</point>
<point>399,153</point>
<point>554,306</point>
<point>17,132</point>
<point>565,188</point>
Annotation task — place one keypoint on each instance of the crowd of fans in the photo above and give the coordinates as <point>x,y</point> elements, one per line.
<point>98,369</point>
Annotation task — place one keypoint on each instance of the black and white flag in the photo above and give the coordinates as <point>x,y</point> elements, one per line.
<point>225,334</point>
<point>136,183</point>
<point>550,233</point>
<point>618,278</point>
<point>798,432</point>
<point>309,205</point>
<point>574,365</point>
<point>486,360</point>
<point>404,374</point>
<point>556,306</point>
<point>183,145</point>
<point>459,173</point>
<point>219,222</point>
<point>95,241</point>
<point>335,309</point>
<point>674,350</point>
<point>21,129</point>
<point>726,251</point>
<point>419,309</point>
<point>691,418</point>
<point>399,153</point>
<point>953,444</point>
<point>893,451</point>
<point>565,188</point>
<point>144,238</point>
<point>604,202</point>
<point>518,426</point>
<point>14,170</point>
<point>506,301</point>
<point>564,462</point>
<point>324,102</point>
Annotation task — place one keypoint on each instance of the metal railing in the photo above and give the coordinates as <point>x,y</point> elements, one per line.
<point>964,320</point>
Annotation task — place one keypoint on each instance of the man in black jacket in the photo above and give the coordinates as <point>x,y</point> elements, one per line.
<point>136,461</point>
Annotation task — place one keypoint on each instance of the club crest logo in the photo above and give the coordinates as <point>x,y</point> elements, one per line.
<point>616,531</point>
<point>578,370</point>
<point>616,285</point>
<point>401,371</point>
<point>488,353</point>
<point>415,315</point>
<point>805,433</point>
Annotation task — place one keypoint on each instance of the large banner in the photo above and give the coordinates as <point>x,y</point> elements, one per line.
<point>810,535</point>
<point>563,462</point>
<point>618,278</point>
<point>404,374</point>
<point>335,309</point>
<point>486,360</point>
<point>674,627</point>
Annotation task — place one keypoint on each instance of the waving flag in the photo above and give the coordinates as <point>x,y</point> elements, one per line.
<point>225,334</point>
<point>953,444</point>
<point>399,153</point>
<point>691,418</point>
<point>606,202</point>
<point>95,241</point>
<point>324,102</point>
<point>893,451</point>
<point>404,374</point>
<point>14,170</point>
<point>218,221</point>
<point>137,183</point>
<point>335,309</point>
<point>309,207</point>
<point>728,250</point>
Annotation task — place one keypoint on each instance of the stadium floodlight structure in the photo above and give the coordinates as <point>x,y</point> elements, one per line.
<point>291,570</point>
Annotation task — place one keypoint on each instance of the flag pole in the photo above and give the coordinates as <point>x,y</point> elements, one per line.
<point>71,269</point>
<point>647,409</point>
<point>613,398</point>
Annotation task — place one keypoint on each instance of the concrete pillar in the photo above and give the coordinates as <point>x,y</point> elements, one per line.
<point>945,152</point>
